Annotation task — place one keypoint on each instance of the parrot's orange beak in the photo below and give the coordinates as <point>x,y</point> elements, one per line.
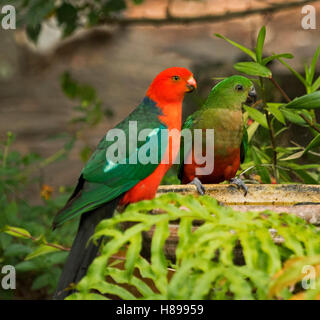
<point>191,84</point>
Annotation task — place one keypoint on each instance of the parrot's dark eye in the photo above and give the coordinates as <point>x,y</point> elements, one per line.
<point>175,78</point>
<point>239,87</point>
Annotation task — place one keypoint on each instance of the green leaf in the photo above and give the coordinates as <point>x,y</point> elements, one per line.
<point>33,32</point>
<point>41,250</point>
<point>294,156</point>
<point>133,253</point>
<point>93,18</point>
<point>158,259</point>
<point>291,273</point>
<point>121,276</point>
<point>262,171</point>
<point>74,90</point>
<point>17,232</point>
<point>105,288</point>
<point>11,211</point>
<point>86,296</point>
<point>280,131</point>
<point>67,16</point>
<point>257,116</point>
<point>85,153</point>
<point>27,266</point>
<point>313,144</point>
<point>314,63</point>
<point>293,117</point>
<point>204,284</point>
<point>260,43</point>
<point>316,85</point>
<point>266,60</point>
<point>308,101</point>
<point>16,250</point>
<point>41,281</point>
<point>296,166</point>
<point>253,69</point>
<point>184,233</point>
<point>305,177</point>
<point>251,130</point>
<point>58,257</point>
<point>307,75</point>
<point>114,5</point>
<point>38,11</point>
<point>66,13</point>
<point>274,109</point>
<point>249,52</point>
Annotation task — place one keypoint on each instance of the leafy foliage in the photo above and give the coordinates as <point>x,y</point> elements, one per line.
<point>207,259</point>
<point>90,105</point>
<point>16,175</point>
<point>37,251</point>
<point>295,271</point>
<point>69,14</point>
<point>206,266</point>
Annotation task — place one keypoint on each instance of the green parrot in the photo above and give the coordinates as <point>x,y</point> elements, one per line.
<point>222,112</point>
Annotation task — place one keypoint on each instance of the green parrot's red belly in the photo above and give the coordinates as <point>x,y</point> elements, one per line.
<point>225,168</point>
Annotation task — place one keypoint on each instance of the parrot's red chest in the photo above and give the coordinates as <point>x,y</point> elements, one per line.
<point>225,168</point>
<point>147,188</point>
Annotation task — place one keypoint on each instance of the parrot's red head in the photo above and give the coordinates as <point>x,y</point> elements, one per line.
<point>171,85</point>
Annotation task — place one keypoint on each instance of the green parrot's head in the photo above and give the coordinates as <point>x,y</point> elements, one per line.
<point>232,93</point>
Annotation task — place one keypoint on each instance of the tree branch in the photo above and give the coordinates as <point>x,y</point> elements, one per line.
<point>276,84</point>
<point>169,19</point>
<point>309,122</point>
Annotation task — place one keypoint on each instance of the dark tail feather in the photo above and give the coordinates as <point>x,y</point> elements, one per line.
<point>82,253</point>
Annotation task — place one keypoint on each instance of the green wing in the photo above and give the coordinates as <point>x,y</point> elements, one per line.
<point>190,123</point>
<point>102,180</point>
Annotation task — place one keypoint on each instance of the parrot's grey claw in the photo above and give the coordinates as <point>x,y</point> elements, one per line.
<point>200,188</point>
<point>240,185</point>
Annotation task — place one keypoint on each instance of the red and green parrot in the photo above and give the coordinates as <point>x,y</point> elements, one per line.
<point>222,112</point>
<point>103,184</point>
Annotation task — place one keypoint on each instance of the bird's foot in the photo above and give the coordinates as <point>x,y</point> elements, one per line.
<point>240,185</point>
<point>200,188</point>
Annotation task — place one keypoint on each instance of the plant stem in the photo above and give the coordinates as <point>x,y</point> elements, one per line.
<point>5,155</point>
<point>271,131</point>
<point>276,84</point>
<point>274,146</point>
<point>309,122</point>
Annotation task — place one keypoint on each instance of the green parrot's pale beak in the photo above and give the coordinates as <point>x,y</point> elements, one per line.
<point>252,96</point>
